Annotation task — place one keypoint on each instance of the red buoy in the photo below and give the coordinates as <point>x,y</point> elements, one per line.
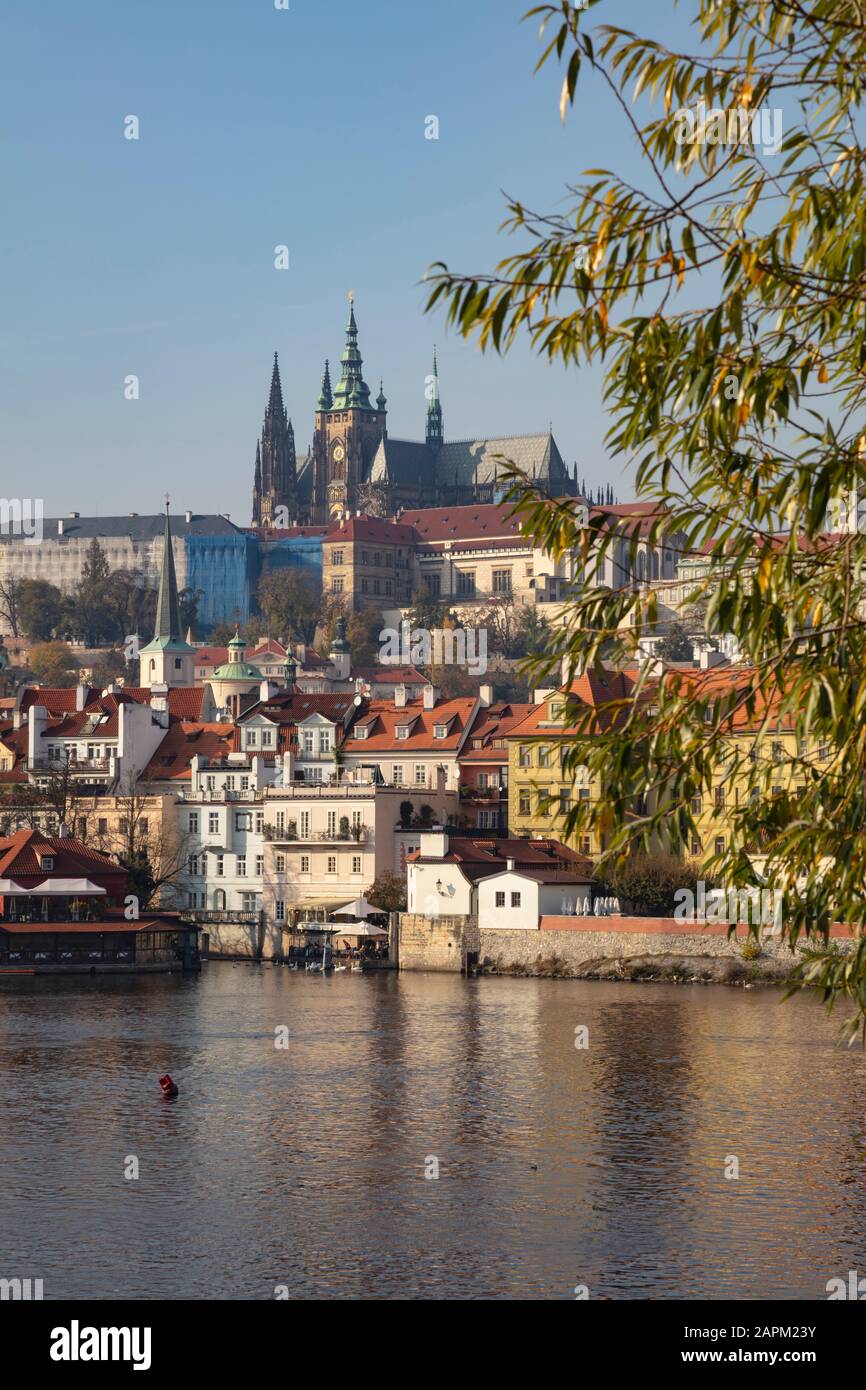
<point>168,1086</point>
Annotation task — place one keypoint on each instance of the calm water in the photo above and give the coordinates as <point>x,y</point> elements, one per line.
<point>306,1167</point>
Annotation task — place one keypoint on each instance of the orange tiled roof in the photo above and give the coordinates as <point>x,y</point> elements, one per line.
<point>382,720</point>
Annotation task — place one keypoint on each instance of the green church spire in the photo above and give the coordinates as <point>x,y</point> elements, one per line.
<point>434,433</point>
<point>352,392</point>
<point>326,399</point>
<point>168,604</point>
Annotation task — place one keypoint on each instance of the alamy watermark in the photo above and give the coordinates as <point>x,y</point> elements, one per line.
<point>735,126</point>
<point>755,906</point>
<point>411,646</point>
<point>22,516</point>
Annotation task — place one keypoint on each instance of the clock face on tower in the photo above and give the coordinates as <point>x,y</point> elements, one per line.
<point>339,454</point>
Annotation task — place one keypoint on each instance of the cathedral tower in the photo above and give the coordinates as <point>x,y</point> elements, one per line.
<point>349,428</point>
<point>276,465</point>
<point>434,433</point>
<point>168,659</point>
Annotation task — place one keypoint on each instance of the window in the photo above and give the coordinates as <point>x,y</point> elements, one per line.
<point>502,581</point>
<point>267,738</point>
<point>420,775</point>
<point>524,756</point>
<point>336,586</point>
<point>523,804</point>
<point>279,910</point>
<point>245,784</point>
<point>697,847</point>
<point>193,822</point>
<point>434,584</point>
<point>252,738</point>
<point>305,825</point>
<point>544,757</point>
<point>242,866</point>
<point>336,557</point>
<point>260,822</point>
<point>466,582</point>
<point>500,899</point>
<point>361,731</point>
<point>720,844</point>
<point>308,738</point>
<point>260,865</point>
<point>332,863</point>
<point>585,845</point>
<point>403,731</point>
<point>397,774</point>
<point>280,863</point>
<point>356,863</point>
<point>332,823</point>
<point>305,863</point>
<point>281,822</point>
<point>220,866</point>
<point>440,730</point>
<point>564,801</point>
<point>515,899</point>
<point>697,805</point>
<point>213,823</point>
<point>243,821</point>
<point>325,741</point>
<point>248,902</point>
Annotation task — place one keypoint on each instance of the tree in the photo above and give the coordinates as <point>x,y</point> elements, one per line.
<point>290,605</point>
<point>388,893</point>
<point>52,663</point>
<point>155,853</point>
<point>92,599</point>
<point>675,645</point>
<point>41,608</point>
<point>10,597</point>
<point>647,883</point>
<point>726,303</point>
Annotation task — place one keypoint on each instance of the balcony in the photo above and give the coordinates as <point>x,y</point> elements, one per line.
<point>290,836</point>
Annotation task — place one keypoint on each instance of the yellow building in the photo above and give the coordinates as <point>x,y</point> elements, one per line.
<point>540,793</point>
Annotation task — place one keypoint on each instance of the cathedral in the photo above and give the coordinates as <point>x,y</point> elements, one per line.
<point>353,464</point>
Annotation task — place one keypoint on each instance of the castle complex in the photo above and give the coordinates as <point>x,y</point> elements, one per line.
<point>353,465</point>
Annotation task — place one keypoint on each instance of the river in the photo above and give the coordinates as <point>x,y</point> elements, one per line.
<point>303,1168</point>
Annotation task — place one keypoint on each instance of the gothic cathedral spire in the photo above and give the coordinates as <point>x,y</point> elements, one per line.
<point>434,433</point>
<point>276,463</point>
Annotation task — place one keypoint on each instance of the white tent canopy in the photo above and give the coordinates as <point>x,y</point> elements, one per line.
<point>51,888</point>
<point>359,908</point>
<point>361,929</point>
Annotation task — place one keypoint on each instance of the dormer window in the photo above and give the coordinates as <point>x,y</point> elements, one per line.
<point>403,731</point>
<point>362,731</point>
<point>440,730</point>
<point>46,863</point>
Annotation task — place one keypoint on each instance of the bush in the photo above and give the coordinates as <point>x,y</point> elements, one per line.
<point>646,883</point>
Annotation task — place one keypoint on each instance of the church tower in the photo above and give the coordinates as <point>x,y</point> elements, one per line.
<point>434,433</point>
<point>349,428</point>
<point>168,659</point>
<point>276,464</point>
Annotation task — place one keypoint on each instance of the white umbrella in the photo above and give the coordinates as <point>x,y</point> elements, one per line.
<point>359,908</point>
<point>362,929</point>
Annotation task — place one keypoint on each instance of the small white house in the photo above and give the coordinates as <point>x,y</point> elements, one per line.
<point>519,898</point>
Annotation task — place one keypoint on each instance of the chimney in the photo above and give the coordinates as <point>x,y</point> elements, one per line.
<point>509,864</point>
<point>187,516</point>
<point>60,527</point>
<point>80,697</point>
<point>710,658</point>
<point>75,515</point>
<point>400,697</point>
<point>431,695</point>
<point>159,704</point>
<point>485,696</point>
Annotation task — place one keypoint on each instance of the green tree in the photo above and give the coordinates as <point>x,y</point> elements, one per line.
<point>289,605</point>
<point>388,893</point>
<point>675,644</point>
<point>722,290</point>
<point>53,664</point>
<point>41,609</point>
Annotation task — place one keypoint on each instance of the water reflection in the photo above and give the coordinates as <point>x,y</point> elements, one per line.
<point>558,1166</point>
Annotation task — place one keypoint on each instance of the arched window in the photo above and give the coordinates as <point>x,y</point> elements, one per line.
<point>219,900</point>
<point>655,564</point>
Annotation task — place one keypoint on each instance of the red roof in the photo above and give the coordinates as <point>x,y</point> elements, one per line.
<point>183,741</point>
<point>610,693</point>
<point>371,528</point>
<point>479,856</point>
<point>493,520</point>
<point>19,858</point>
<point>382,720</point>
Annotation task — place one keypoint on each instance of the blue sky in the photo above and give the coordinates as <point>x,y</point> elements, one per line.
<point>262,127</point>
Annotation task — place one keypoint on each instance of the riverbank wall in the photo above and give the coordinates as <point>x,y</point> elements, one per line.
<point>604,948</point>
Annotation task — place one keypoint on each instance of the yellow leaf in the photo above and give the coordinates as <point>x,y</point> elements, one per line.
<point>563,101</point>
<point>602,313</point>
<point>823,374</point>
<point>743,413</point>
<point>765,570</point>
